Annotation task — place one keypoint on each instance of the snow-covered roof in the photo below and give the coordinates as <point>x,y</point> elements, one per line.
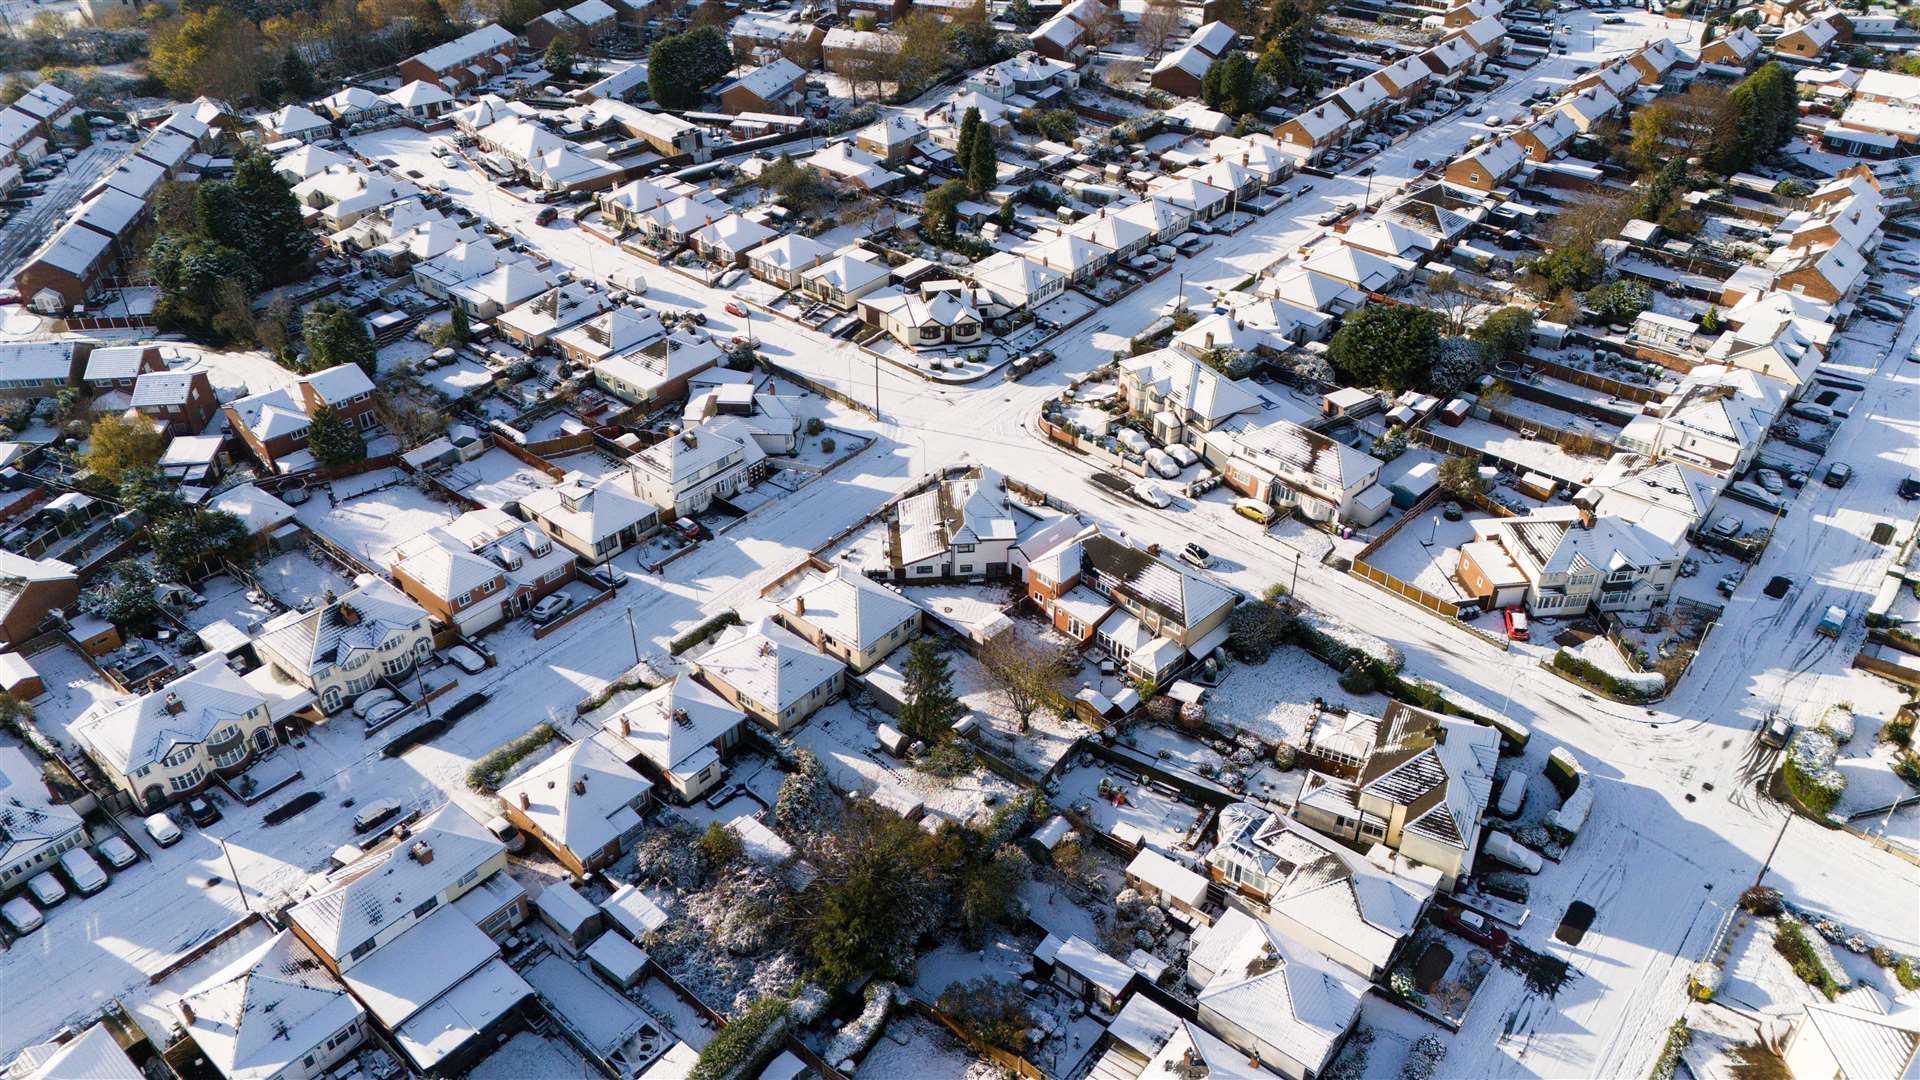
<point>846,272</point>
<point>367,619</point>
<point>1168,877</point>
<point>767,664</point>
<point>467,48</point>
<point>418,94</point>
<point>593,511</point>
<point>137,731</point>
<point>1203,392</point>
<point>1867,1044</point>
<point>673,723</point>
<point>29,819</point>
<point>75,249</point>
<point>733,233</point>
<point>847,606</point>
<point>1175,593</point>
<point>94,1054</point>
<point>259,511</point>
<point>769,82</point>
<point>1290,997</point>
<point>111,212</point>
<point>793,251</point>
<point>1295,451</point>
<point>1187,58</point>
<point>267,1009</point>
<point>296,120</point>
<point>634,912</point>
<point>583,797</point>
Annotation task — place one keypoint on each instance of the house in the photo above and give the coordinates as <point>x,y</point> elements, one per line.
<point>1145,611</point>
<point>684,473</point>
<point>412,929</point>
<point>844,614</point>
<point>844,280</point>
<point>1451,60</point>
<point>1715,420</point>
<point>1027,75</point>
<point>764,38</point>
<point>922,320</point>
<point>1619,78</point>
<point>506,285</point>
<point>963,525</point>
<point>51,108</point>
<point>1546,137</point>
<point>94,1054</point>
<point>295,122</point>
<point>463,264</point>
<point>338,196</point>
<point>679,732</point>
<point>1811,39</point>
<point>845,163</point>
<point>583,804</point>
<point>895,137</point>
<point>1270,999</point>
<point>355,105</point>
<point>1182,397</point>
<point>770,674</point>
<point>1418,786</point>
<point>39,369</point>
<point>479,569</point>
<point>30,590</point>
<point>466,60</point>
<point>1068,35</point>
<point>274,424</point>
<point>184,400</point>
<point>758,412</point>
<point>1285,463</point>
<point>1587,108</point>
<point>34,830</point>
<point>348,644</point>
<point>1492,163</point>
<point>611,332</point>
<point>778,87</point>
<point>1312,132</point>
<point>1487,35</point>
<point>1832,274</point>
<point>275,1012</point>
<point>1469,12</point>
<point>1854,1040</point>
<point>1075,256</point>
<point>1654,59</point>
<point>1735,50</point>
<point>1181,71</point>
<point>167,745</point>
<point>843,48</point>
<point>1017,282</point>
<point>419,100</point>
<point>1317,893</point>
<point>63,272</point>
<point>1574,561</point>
<point>725,241</point>
<point>779,262</point>
<point>656,370</point>
<point>1666,499</point>
<point>532,324</point>
<point>595,520</point>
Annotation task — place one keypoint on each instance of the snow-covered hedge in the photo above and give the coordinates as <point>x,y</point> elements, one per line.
<point>1837,721</point>
<point>1339,643</point>
<point>1564,770</point>
<point>859,1033</point>
<point>1809,773</point>
<point>1423,1061</point>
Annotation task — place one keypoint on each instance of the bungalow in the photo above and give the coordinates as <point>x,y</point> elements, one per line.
<point>583,804</point>
<point>780,261</point>
<point>1018,282</point>
<point>355,105</point>
<point>275,1011</point>
<point>1494,162</point>
<point>169,744</point>
<point>595,520</point>
<point>845,163</point>
<point>94,1053</point>
<point>727,240</point>
<point>419,100</point>
<point>680,732</point>
<point>657,369</point>
<point>466,261</point>
<point>1285,463</point>
<point>921,321</point>
<point>296,122</point>
<point>1078,258</point>
<point>348,644</point>
<point>1856,1040</point>
<point>844,614</point>
<point>778,87</point>
<point>617,330</point>
<point>479,569</point>
<point>1163,220</point>
<point>1026,75</point>
<point>627,204</point>
<point>1125,237</point>
<point>505,285</point>
<point>770,674</point>
<point>1203,200</point>
<point>533,324</point>
<point>1362,270</point>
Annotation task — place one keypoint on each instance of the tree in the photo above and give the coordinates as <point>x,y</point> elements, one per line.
<point>1060,125</point>
<point>1258,627</point>
<point>969,131</point>
<point>719,846</point>
<point>1025,677</point>
<point>1275,70</point>
<point>119,445</point>
<point>211,50</point>
<point>1661,189</point>
<point>558,59</point>
<point>188,541</point>
<point>923,51</point>
<point>274,233</point>
<point>1228,84</point>
<point>799,188</point>
<point>1460,477</point>
<point>334,336</point>
<point>1159,24</point>
<point>938,211</point>
<point>994,1011</point>
<point>682,67</point>
<point>883,883</point>
<point>1020,13</point>
<point>147,493</point>
<point>1653,125</point>
<point>1710,322</point>
<point>297,82</point>
<point>1758,117</point>
<point>192,273</point>
<point>15,88</point>
<point>122,594</point>
<point>332,440</point>
<point>1506,333</point>
<point>80,131</point>
<point>1444,295</point>
<point>928,709</point>
<point>457,321</point>
<point>1618,301</point>
<point>1386,345</point>
<point>983,162</point>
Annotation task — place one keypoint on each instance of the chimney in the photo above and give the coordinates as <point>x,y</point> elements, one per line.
<point>348,614</point>
<point>422,852</point>
<point>1209,341</point>
<point>626,726</point>
<point>186,1011</point>
<point>174,705</point>
<point>580,785</point>
<point>799,605</point>
<point>681,717</point>
<point>692,440</point>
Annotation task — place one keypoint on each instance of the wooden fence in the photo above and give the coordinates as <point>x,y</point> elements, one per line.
<point>1006,1059</point>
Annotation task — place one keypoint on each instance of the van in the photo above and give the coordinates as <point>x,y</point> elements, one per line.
<point>374,814</point>
<point>1838,474</point>
<point>1253,510</point>
<point>503,831</point>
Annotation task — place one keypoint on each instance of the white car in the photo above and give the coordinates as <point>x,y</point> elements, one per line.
<point>22,917</point>
<point>1183,454</point>
<point>371,699</point>
<point>83,872</point>
<point>118,853</point>
<point>162,829</point>
<point>1904,258</point>
<point>466,659</point>
<point>731,278</point>
<point>47,889</point>
<point>385,709</point>
<point>1150,493</point>
<point>1160,462</point>
<point>549,607</point>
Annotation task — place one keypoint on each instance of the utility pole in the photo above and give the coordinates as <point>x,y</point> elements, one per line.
<point>231,869</point>
<point>1295,590</point>
<point>635,635</point>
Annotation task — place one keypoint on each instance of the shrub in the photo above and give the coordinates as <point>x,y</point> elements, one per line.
<point>815,426</point>
<point>1284,757</point>
<point>1906,975</point>
<point>1255,630</point>
<point>1603,681</point>
<point>701,633</point>
<point>1678,1035</point>
<point>1359,678</point>
<point>1899,730</point>
<point>488,771</point>
<point>1790,941</point>
<point>1760,900</point>
<point>1907,767</point>
<point>719,845</point>
<point>1808,771</point>
<point>732,1044</point>
<point>989,1010</point>
<point>827,445</point>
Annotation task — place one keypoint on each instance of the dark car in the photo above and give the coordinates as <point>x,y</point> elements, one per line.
<point>1473,926</point>
<point>202,812</point>
<point>1910,488</point>
<point>1505,886</point>
<point>545,216</point>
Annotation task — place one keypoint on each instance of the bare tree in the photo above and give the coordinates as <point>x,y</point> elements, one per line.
<point>1159,24</point>
<point>1025,676</point>
<point>1444,295</point>
<point>1121,72</point>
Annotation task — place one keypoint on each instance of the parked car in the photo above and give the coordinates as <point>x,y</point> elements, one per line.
<point>1516,621</point>
<point>1253,510</point>
<point>549,607</point>
<point>202,812</point>
<point>1473,926</point>
<point>1197,555</point>
<point>1726,525</point>
<point>1161,463</point>
<point>162,829</point>
<point>466,659</point>
<point>1838,474</point>
<point>1776,731</point>
<point>1421,164</point>
<point>367,701</point>
<point>47,889</point>
<point>22,917</point>
<point>1808,410</point>
<point>385,710</point>
<point>503,831</point>
<point>118,853</point>
<point>1473,110</point>
<point>737,309</point>
<point>375,814</point>
<point>1910,488</point>
<point>1452,512</point>
<point>1772,481</point>
<point>546,215</point>
<point>729,279</point>
<point>691,529</point>
<point>1183,454</point>
<point>1506,886</point>
<point>1148,492</point>
<point>82,872</point>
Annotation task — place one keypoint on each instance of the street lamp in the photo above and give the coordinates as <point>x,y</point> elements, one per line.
<point>1366,201</point>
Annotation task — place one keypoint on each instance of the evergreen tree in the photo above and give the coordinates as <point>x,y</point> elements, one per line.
<point>332,440</point>
<point>969,130</point>
<point>558,59</point>
<point>462,330</point>
<point>983,162</point>
<point>81,131</point>
<point>1275,69</point>
<point>335,335</point>
<point>938,209</point>
<point>929,710</point>
<point>1020,13</point>
<point>1386,345</point>
<point>296,77</point>
<point>682,67</point>
<point>276,238</point>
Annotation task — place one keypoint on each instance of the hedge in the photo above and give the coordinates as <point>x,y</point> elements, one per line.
<point>705,630</point>
<point>731,1046</point>
<point>1817,799</point>
<point>1582,671</point>
<point>1790,941</point>
<point>487,772</point>
<point>1678,1036</point>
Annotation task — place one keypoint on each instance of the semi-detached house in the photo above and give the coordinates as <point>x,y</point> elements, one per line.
<point>596,520</point>
<point>845,614</point>
<point>275,424</point>
<point>770,674</point>
<point>347,644</point>
<point>680,732</point>
<point>684,473</point>
<point>480,569</point>
<point>1145,611</point>
<point>1574,561</point>
<point>168,745</point>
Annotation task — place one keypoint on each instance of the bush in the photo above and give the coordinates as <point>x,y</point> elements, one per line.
<point>1254,630</point>
<point>1899,730</point>
<point>1907,767</point>
<point>1678,1036</point>
<point>1808,771</point>
<point>732,1044</point>
<point>1760,900</point>
<point>719,846</point>
<point>1790,941</point>
<point>1359,678</point>
<point>989,1011</point>
<point>1584,672</point>
<point>1285,757</point>
<point>701,633</point>
<point>1905,974</point>
<point>815,426</point>
<point>486,772</point>
<point>827,445</point>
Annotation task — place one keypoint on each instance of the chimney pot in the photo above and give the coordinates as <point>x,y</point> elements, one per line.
<point>526,801</point>
<point>186,1011</point>
<point>799,605</point>
<point>580,786</point>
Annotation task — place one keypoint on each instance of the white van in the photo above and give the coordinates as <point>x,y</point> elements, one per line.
<point>630,280</point>
<point>83,872</point>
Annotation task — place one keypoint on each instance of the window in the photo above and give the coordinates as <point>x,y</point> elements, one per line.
<point>963,547</point>
<point>398,664</point>
<point>361,949</point>
<point>463,599</point>
<point>426,905</point>
<point>467,878</point>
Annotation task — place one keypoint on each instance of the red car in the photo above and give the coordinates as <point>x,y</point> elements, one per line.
<point>1516,623</point>
<point>737,309</point>
<point>1473,926</point>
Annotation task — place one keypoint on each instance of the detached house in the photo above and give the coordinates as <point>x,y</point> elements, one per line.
<point>479,569</point>
<point>777,88</point>
<point>1145,611</point>
<point>1412,780</point>
<point>1270,999</point>
<point>1182,397</point>
<point>1288,464</point>
<point>344,647</point>
<point>595,520</point>
<point>583,804</point>
<point>183,400</point>
<point>1735,50</point>
<point>680,732</point>
<point>34,830</point>
<point>770,674</point>
<point>275,423</point>
<point>845,614</point>
<point>274,1013</point>
<point>1573,561</point>
<point>684,473</point>
<point>1811,39</point>
<point>167,745</point>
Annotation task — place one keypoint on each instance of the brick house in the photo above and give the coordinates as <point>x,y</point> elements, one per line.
<point>274,424</point>
<point>183,399</point>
